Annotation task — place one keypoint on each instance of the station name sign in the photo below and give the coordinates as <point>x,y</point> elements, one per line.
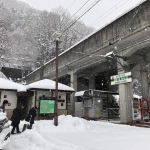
<point>121,78</point>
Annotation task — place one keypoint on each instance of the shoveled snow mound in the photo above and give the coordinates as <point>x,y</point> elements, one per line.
<point>66,124</point>
<point>78,134</point>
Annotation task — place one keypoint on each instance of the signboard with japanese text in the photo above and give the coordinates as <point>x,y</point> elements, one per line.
<point>121,78</point>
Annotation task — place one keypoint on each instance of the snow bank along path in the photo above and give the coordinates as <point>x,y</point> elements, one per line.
<point>78,134</point>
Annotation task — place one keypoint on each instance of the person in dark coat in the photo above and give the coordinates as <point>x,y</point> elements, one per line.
<point>31,116</point>
<point>16,117</point>
<point>5,103</point>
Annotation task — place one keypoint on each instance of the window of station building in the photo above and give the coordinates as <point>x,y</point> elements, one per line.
<point>5,96</point>
<point>79,99</point>
<point>87,93</point>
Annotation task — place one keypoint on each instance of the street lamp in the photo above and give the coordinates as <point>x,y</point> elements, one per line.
<point>57,37</point>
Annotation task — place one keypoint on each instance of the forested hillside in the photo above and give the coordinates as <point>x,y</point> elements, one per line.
<point>26,34</point>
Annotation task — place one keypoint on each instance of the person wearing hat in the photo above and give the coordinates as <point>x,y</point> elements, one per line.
<point>5,103</point>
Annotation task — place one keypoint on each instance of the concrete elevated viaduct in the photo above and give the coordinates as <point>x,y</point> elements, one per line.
<point>83,67</point>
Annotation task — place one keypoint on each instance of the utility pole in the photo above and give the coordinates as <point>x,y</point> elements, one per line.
<point>56,87</point>
<point>42,65</point>
<point>57,40</point>
<point>22,70</point>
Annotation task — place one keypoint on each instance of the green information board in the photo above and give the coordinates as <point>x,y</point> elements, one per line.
<point>121,78</point>
<point>47,106</point>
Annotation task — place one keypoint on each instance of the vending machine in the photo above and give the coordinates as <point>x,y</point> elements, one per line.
<point>141,109</point>
<point>136,110</point>
<point>144,109</point>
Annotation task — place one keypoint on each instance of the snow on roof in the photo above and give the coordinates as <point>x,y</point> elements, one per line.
<point>2,75</point>
<point>124,11</point>
<point>80,93</point>
<point>6,84</point>
<point>47,84</point>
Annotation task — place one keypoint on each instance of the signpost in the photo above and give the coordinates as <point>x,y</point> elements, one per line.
<point>121,78</point>
<point>47,106</point>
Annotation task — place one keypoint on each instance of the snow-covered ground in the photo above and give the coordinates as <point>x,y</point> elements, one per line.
<point>78,134</point>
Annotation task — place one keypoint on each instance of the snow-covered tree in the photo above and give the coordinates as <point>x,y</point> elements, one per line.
<point>26,34</point>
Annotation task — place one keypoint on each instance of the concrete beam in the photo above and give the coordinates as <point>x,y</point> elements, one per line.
<point>127,37</point>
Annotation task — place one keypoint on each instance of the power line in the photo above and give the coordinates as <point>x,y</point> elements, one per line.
<point>134,15</point>
<point>80,16</point>
<point>67,9</point>
<point>102,56</point>
<point>107,12</point>
<point>87,7</point>
<point>123,32</point>
<point>128,24</point>
<point>104,13</point>
<point>70,5</point>
<point>78,10</point>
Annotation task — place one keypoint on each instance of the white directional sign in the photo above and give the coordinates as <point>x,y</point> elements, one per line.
<point>121,78</point>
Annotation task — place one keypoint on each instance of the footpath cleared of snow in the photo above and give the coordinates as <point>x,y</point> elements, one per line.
<point>78,134</point>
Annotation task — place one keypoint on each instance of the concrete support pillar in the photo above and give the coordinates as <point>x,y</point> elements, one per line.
<point>144,79</point>
<point>126,96</point>
<point>73,84</point>
<point>91,81</point>
<point>148,72</point>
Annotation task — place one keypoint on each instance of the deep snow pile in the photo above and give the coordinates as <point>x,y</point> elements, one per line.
<point>74,133</point>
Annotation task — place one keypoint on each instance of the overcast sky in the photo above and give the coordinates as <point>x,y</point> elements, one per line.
<point>103,13</point>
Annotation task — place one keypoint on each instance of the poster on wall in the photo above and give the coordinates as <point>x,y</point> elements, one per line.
<point>47,106</point>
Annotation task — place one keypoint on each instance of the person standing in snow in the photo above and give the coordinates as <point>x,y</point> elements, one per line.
<point>5,103</point>
<point>16,117</point>
<point>31,116</point>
